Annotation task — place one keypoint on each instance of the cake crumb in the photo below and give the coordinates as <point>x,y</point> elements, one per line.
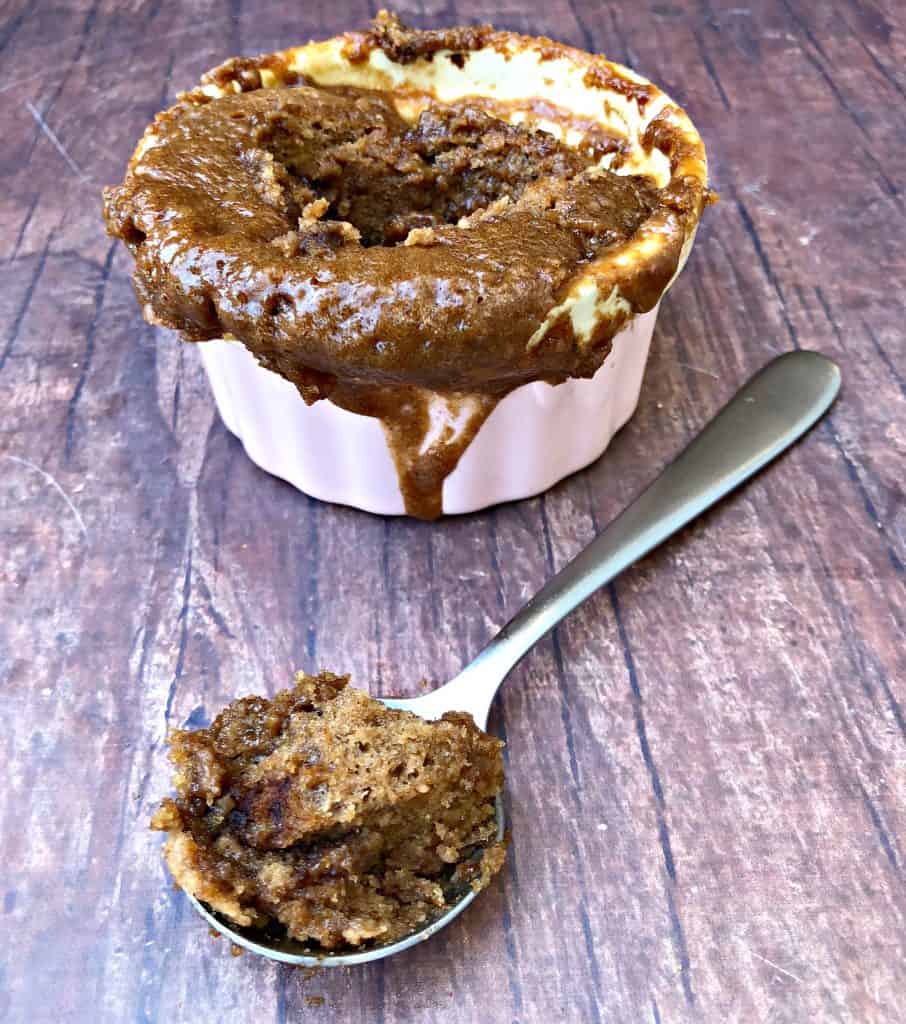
<point>315,210</point>
<point>421,236</point>
<point>327,814</point>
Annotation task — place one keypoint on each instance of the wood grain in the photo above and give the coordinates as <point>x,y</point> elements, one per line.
<point>707,783</point>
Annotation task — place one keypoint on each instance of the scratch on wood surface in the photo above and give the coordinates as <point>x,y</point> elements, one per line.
<point>55,142</point>
<point>56,486</point>
<point>698,369</point>
<point>16,82</point>
<point>776,967</point>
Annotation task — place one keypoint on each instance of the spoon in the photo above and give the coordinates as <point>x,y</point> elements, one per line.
<point>777,406</point>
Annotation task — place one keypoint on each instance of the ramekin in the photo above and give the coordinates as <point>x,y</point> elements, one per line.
<point>538,433</point>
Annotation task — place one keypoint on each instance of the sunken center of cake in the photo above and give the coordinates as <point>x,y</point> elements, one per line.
<point>351,154</point>
<point>330,818</point>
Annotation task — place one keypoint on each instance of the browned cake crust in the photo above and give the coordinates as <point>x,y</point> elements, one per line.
<point>330,814</point>
<point>339,243</point>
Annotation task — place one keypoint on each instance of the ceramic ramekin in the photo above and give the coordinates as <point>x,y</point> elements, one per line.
<point>538,434</point>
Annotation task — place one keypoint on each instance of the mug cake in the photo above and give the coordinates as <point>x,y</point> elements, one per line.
<point>424,266</point>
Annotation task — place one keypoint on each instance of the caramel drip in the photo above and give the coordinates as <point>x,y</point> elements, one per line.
<point>424,452</point>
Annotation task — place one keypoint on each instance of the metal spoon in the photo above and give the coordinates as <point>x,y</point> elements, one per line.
<point>776,407</point>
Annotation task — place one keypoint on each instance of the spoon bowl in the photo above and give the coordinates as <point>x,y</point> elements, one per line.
<point>774,409</point>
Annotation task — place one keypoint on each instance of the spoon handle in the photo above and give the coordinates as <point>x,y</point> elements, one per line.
<point>776,407</point>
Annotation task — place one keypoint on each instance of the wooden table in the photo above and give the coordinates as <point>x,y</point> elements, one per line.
<point>707,783</point>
